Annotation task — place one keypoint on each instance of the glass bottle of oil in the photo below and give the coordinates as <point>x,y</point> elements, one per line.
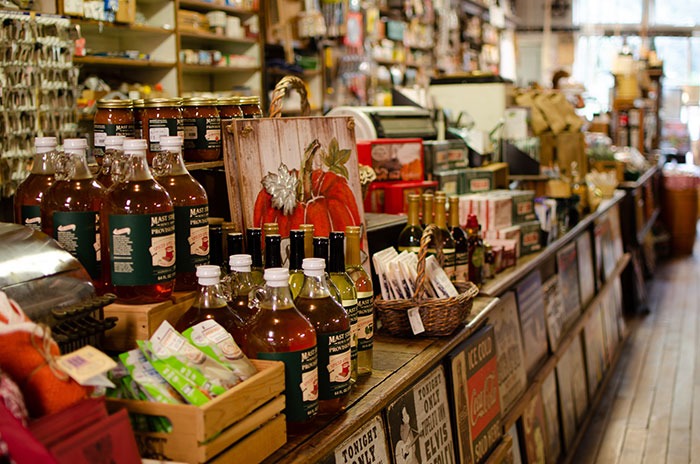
<point>234,244</point>
<point>476,250</point>
<point>296,257</point>
<point>27,203</point>
<point>365,300</point>
<point>348,292</point>
<point>254,248</point>
<point>70,208</point>
<point>241,283</point>
<point>320,250</point>
<point>273,251</point>
<point>209,302</point>
<point>308,240</point>
<point>191,211</point>
<point>409,238</point>
<point>332,325</point>
<point>114,149</point>
<point>139,223</point>
<point>460,241</point>
<point>442,238</point>
<point>281,333</point>
<point>427,215</point>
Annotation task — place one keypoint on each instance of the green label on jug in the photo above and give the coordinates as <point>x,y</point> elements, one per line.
<point>78,232</point>
<point>334,364</point>
<point>301,382</point>
<point>142,248</point>
<point>31,216</point>
<point>202,133</point>
<point>365,320</point>
<point>191,237</point>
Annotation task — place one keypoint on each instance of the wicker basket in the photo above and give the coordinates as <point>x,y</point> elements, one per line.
<point>440,316</point>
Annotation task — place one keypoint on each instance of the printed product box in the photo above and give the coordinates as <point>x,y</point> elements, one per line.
<point>529,237</point>
<point>393,159</point>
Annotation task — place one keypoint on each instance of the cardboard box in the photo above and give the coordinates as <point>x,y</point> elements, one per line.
<point>393,159</point>
<point>529,237</point>
<point>392,197</point>
<point>523,204</point>
<point>126,11</point>
<point>444,155</point>
<point>564,148</point>
<point>486,178</point>
<point>451,182</point>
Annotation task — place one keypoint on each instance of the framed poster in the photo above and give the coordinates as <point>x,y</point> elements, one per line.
<point>532,320</point>
<point>515,449</point>
<point>474,373</point>
<point>567,272</point>
<point>586,273</point>
<point>533,426</point>
<point>553,311</point>
<point>594,341</point>
<point>567,408</point>
<point>367,445</point>
<point>512,378</point>
<point>609,327</point>
<point>419,423</point>
<point>550,403</point>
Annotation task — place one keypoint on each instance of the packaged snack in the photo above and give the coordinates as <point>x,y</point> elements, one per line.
<point>141,380</point>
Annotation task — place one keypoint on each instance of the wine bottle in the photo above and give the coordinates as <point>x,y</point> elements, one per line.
<point>365,300</point>
<point>296,257</point>
<point>308,240</point>
<point>348,292</point>
<point>409,238</point>
<point>428,203</point>
<point>191,211</point>
<point>138,242</point>
<point>443,238</point>
<point>234,244</point>
<point>320,250</point>
<point>476,250</point>
<point>460,241</point>
<point>254,248</point>
<point>332,325</point>
<point>209,303</point>
<point>70,209</point>
<point>273,252</point>
<point>28,196</point>
<point>282,333</point>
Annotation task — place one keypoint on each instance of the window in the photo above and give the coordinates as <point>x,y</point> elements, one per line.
<point>675,13</point>
<point>608,11</point>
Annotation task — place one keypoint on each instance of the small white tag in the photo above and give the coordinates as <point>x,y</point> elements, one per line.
<point>415,320</point>
<point>85,364</point>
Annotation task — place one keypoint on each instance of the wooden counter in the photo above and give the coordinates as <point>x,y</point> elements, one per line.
<point>400,362</point>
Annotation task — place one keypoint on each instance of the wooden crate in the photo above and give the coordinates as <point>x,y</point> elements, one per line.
<point>245,424</point>
<point>138,322</point>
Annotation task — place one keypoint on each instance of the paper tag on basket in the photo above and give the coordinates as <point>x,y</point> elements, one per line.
<point>415,321</point>
<point>87,366</point>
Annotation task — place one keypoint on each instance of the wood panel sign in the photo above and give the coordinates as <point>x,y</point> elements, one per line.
<point>366,446</point>
<point>419,423</point>
<point>532,320</point>
<point>474,374</point>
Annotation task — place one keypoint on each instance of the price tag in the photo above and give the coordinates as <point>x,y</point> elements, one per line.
<point>415,321</point>
<point>87,365</point>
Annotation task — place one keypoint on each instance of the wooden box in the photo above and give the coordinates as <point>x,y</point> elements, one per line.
<point>489,177</point>
<point>245,424</point>
<point>138,322</point>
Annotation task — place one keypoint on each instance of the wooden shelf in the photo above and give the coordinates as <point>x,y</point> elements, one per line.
<point>188,34</point>
<point>199,5</point>
<point>197,165</point>
<point>197,68</point>
<point>118,62</point>
<point>91,26</point>
<point>516,410</point>
<point>389,62</point>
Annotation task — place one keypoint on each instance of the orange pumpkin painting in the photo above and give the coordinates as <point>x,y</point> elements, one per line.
<point>319,194</point>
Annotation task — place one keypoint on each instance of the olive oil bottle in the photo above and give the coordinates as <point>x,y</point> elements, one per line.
<point>365,300</point>
<point>442,239</point>
<point>332,325</point>
<point>460,240</point>
<point>27,203</point>
<point>138,242</point>
<point>281,333</point>
<point>320,250</point>
<point>296,257</point>
<point>409,238</point>
<point>254,249</point>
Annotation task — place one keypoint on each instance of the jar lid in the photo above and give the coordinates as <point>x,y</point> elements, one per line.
<point>161,102</point>
<point>135,144</point>
<point>138,103</point>
<point>45,142</point>
<point>276,276</point>
<point>114,103</point>
<point>231,100</point>
<point>254,100</point>
<point>114,141</point>
<point>198,101</point>
<point>171,141</point>
<point>240,261</point>
<point>74,144</point>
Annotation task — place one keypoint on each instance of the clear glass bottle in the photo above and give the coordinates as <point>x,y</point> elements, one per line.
<point>443,238</point>
<point>139,240</point>
<point>460,240</point>
<point>273,250</point>
<point>320,250</point>
<point>282,333</point>
<point>70,208</point>
<point>27,203</point>
<point>476,250</point>
<point>365,300</point>
<point>409,238</point>
<point>240,284</point>
<point>428,203</point>
<point>209,303</point>
<point>348,292</point>
<point>332,325</point>
<point>254,248</point>
<point>234,244</point>
<point>113,150</point>
<point>308,239</point>
<point>191,211</point>
<point>296,257</point>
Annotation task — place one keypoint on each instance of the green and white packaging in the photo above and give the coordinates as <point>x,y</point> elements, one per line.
<point>146,380</point>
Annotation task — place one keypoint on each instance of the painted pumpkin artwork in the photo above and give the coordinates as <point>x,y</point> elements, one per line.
<point>319,194</point>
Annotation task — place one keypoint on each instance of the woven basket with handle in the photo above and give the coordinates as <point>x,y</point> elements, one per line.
<point>440,316</point>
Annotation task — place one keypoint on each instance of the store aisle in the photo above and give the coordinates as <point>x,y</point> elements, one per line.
<point>650,411</point>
